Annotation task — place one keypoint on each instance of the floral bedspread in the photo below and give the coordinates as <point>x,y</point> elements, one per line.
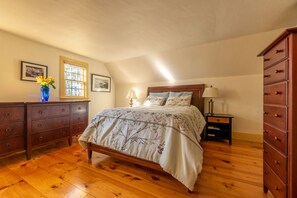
<point>168,136</point>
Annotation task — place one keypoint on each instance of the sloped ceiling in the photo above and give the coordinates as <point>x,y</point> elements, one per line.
<point>112,30</point>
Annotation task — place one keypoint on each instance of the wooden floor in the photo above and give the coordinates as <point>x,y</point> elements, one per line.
<point>62,171</point>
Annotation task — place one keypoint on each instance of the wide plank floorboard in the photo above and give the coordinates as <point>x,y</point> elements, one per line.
<point>63,171</point>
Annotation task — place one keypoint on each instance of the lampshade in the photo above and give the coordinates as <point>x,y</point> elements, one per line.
<point>131,94</point>
<point>210,92</point>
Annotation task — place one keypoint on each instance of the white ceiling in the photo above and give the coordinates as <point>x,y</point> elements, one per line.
<point>112,30</point>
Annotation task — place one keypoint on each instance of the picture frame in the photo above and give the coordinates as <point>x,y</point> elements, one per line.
<point>100,83</point>
<point>29,71</point>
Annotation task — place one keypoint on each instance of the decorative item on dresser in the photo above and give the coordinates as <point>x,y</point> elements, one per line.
<point>12,130</point>
<point>51,122</point>
<point>280,115</point>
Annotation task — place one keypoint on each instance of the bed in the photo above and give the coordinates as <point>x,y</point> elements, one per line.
<point>155,137</point>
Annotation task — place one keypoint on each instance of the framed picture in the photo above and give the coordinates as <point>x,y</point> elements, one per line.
<point>100,83</point>
<point>29,71</point>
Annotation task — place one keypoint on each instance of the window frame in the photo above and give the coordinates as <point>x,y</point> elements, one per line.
<point>66,60</point>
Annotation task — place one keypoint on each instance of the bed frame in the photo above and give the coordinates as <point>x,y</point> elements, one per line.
<point>197,101</point>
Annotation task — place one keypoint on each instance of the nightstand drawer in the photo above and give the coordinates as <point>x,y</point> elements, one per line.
<point>218,120</point>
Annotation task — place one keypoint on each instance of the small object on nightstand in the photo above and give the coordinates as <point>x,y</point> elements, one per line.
<point>131,96</point>
<point>218,126</point>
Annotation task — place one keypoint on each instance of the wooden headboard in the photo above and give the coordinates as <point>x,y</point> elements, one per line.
<point>197,90</point>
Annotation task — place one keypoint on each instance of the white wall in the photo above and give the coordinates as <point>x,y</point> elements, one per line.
<point>14,49</point>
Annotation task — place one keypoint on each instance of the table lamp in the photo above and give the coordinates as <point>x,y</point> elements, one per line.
<point>210,92</point>
<point>131,95</point>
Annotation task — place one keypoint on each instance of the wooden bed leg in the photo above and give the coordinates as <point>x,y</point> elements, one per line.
<point>89,151</point>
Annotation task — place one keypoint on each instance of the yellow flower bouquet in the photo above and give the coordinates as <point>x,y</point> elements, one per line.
<point>46,82</point>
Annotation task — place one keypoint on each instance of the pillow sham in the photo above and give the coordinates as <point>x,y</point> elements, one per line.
<point>179,100</point>
<point>182,93</point>
<point>159,94</point>
<point>153,101</point>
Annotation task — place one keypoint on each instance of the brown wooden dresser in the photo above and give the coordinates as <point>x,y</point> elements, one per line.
<point>12,128</point>
<point>280,115</point>
<point>50,122</point>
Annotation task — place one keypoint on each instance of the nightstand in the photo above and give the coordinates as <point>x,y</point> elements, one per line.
<point>218,126</point>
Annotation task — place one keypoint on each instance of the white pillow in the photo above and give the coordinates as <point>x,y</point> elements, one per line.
<point>154,101</point>
<point>179,100</point>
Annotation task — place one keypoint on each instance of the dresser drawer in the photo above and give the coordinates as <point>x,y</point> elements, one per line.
<point>78,128</point>
<point>276,73</point>
<point>218,120</point>
<point>41,112</point>
<point>11,129</point>
<point>276,116</point>
<point>276,138</point>
<point>275,94</point>
<point>79,108</point>
<point>12,144</point>
<point>276,161</point>
<point>14,114</point>
<point>277,53</point>
<point>49,124</point>
<point>79,118</point>
<point>274,183</point>
<point>53,135</point>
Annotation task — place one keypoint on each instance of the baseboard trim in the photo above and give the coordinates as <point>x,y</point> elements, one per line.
<point>251,137</point>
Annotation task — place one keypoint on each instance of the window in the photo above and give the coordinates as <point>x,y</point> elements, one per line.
<point>73,79</point>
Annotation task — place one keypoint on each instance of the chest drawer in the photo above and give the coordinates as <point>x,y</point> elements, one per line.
<point>275,94</point>
<point>53,135</point>
<point>49,124</point>
<point>276,161</point>
<point>276,138</point>
<point>274,183</point>
<point>79,108</point>
<point>276,116</point>
<point>11,129</point>
<point>78,128</point>
<point>276,73</point>
<point>79,118</point>
<point>218,120</point>
<point>12,144</point>
<point>13,114</point>
<point>41,112</point>
<point>277,53</point>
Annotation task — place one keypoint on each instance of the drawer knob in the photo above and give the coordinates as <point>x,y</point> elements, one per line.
<point>276,188</point>
<point>277,139</point>
<point>40,112</point>
<point>63,110</point>
<point>79,108</point>
<point>8,130</point>
<point>265,113</point>
<point>279,51</point>
<point>39,125</point>
<point>8,145</point>
<point>277,162</point>
<point>278,93</point>
<point>265,131</point>
<point>266,94</point>
<point>40,138</point>
<point>277,115</point>
<point>265,151</point>
<point>266,59</point>
<point>7,114</point>
<point>279,71</point>
<point>266,76</point>
<point>266,172</point>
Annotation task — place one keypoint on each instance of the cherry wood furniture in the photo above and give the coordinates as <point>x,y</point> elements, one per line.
<point>197,101</point>
<point>51,122</point>
<point>280,115</point>
<point>218,126</point>
<point>12,133</point>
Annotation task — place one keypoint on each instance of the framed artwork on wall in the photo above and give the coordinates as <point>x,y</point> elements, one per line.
<point>100,83</point>
<point>29,71</point>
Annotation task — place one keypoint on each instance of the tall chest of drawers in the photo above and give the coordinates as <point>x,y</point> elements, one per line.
<point>280,115</point>
<point>12,130</point>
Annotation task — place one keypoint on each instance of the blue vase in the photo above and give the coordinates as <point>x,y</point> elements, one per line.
<point>45,92</point>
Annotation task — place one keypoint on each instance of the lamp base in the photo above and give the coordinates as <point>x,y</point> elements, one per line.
<point>210,107</point>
